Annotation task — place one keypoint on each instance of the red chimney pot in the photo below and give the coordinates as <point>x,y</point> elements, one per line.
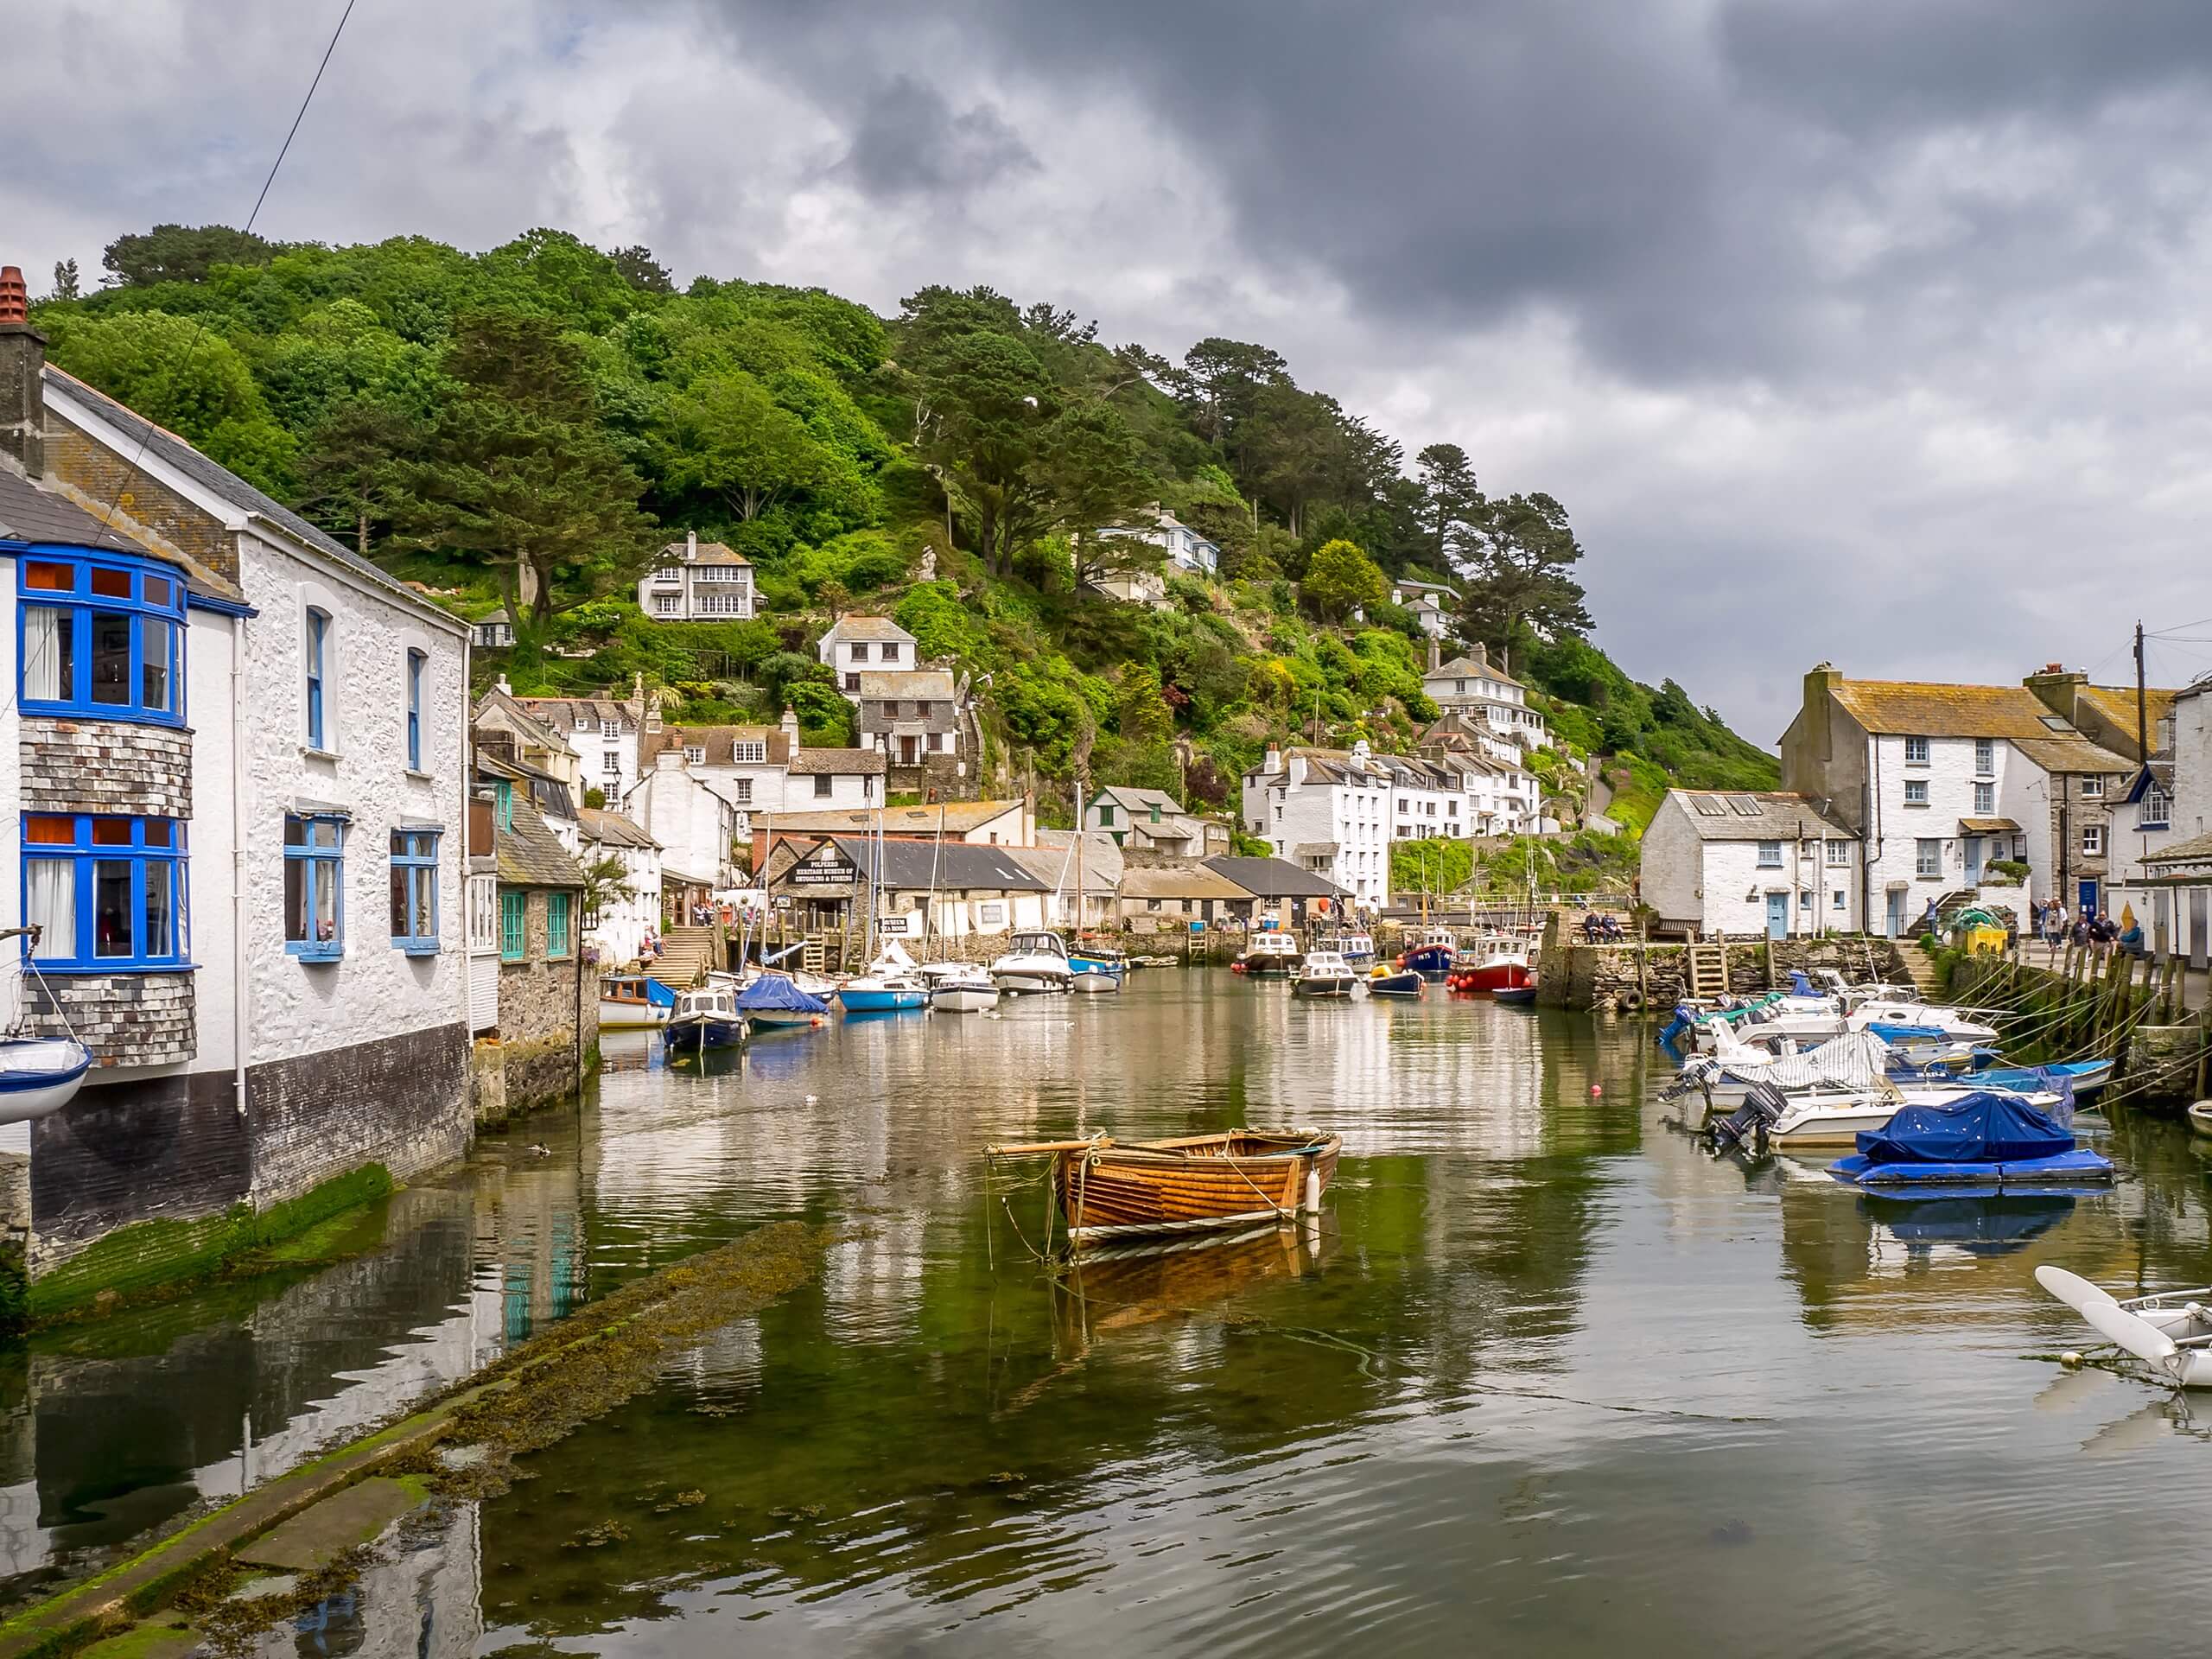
<point>15,298</point>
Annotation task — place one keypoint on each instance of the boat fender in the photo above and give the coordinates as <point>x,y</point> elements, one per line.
<point>1631,1000</point>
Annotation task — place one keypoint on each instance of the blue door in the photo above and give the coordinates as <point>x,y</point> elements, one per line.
<point>1973,860</point>
<point>1778,915</point>
<point>2088,899</point>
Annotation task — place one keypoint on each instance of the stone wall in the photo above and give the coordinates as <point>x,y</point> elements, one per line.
<point>1614,978</point>
<point>539,1000</point>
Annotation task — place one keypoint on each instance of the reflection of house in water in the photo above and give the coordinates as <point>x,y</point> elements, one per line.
<point>420,1601</point>
<point>97,1448</point>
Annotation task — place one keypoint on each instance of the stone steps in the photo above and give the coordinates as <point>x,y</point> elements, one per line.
<point>686,954</point>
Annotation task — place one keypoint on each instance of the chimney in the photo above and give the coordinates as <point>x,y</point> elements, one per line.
<point>1272,762</point>
<point>2055,688</point>
<point>790,730</point>
<point>501,685</point>
<point>692,547</point>
<point>22,364</point>
<point>1435,653</point>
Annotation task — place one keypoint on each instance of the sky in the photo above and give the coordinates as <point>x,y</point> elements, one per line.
<point>1870,331</point>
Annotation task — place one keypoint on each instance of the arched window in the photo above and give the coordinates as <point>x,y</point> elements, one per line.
<point>318,645</point>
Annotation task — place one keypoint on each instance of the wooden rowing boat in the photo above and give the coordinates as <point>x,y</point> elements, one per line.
<point>1110,1190</point>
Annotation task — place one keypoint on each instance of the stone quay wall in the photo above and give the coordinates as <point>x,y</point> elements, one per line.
<point>1629,977</point>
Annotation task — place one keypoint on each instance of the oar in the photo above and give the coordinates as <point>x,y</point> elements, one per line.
<point>2075,1291</point>
<point>2139,1337</point>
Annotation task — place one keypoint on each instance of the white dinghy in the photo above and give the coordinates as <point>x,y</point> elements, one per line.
<point>2172,1331</point>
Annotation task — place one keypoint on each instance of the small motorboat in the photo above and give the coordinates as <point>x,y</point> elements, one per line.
<point>1358,949</point>
<point>1094,979</point>
<point>1386,980</point>
<point>1516,997</point>
<point>1496,961</point>
<point>634,1002</point>
<point>775,1002</point>
<point>2199,1119</point>
<point>1097,968</point>
<point>1322,974</point>
<point>1109,1190</point>
<point>967,990</point>
<point>1431,953</point>
<point>1268,952</point>
<point>1987,1139</point>
<point>40,1075</point>
<point>1035,964</point>
<point>704,1019</point>
<point>2152,1328</point>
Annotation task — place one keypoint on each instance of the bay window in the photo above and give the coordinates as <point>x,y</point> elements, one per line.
<point>102,637</point>
<point>315,886</point>
<point>415,891</point>
<point>106,893</point>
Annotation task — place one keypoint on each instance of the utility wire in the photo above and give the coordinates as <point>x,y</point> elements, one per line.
<point>200,326</point>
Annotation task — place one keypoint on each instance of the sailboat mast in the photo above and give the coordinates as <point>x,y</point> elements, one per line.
<point>1078,858</point>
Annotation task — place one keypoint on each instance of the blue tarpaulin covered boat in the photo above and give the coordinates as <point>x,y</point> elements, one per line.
<point>772,1001</point>
<point>1984,1137</point>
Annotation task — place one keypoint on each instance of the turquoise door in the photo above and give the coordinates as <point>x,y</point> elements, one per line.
<point>1778,915</point>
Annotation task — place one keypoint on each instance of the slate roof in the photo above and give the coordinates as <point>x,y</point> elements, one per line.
<point>1924,708</point>
<point>2071,755</point>
<point>953,865</point>
<point>2182,852</point>
<point>924,683</point>
<point>720,743</point>
<point>561,712</point>
<point>709,553</point>
<point>868,627</point>
<point>531,855</point>
<point>30,514</point>
<point>612,829</point>
<point>2116,704</point>
<point>1465,668</point>
<point>1176,883</point>
<point>1273,878</point>
<point>1755,815</point>
<point>839,763</point>
<point>959,817</point>
<point>175,452</point>
<point>1103,861</point>
<point>1140,800</point>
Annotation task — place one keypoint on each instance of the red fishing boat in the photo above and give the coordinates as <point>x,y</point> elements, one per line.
<point>1496,961</point>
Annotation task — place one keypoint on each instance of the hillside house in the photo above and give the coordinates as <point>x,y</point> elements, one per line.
<point>213,886</point>
<point>1152,820</point>
<point>1327,811</point>
<point>601,732</point>
<point>494,633</point>
<point>1473,685</point>
<point>698,581</point>
<point>1434,604</point>
<point>857,645</point>
<point>1749,861</point>
<point>1187,551</point>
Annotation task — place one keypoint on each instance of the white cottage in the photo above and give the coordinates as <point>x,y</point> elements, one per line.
<point>1750,862</point>
<point>236,757</point>
<point>613,843</point>
<point>698,581</point>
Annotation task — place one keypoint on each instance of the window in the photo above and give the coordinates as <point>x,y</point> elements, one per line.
<point>890,652</point>
<point>1106,815</point>
<point>1984,799</point>
<point>937,742</point>
<point>610,764</point>
<point>514,935</point>
<point>1405,806</point>
<point>610,728</point>
<point>858,652</point>
<point>415,891</point>
<point>823,784</point>
<point>315,883</point>
<point>890,708</point>
<point>750,754</point>
<point>1155,811</point>
<point>414,662</point>
<point>1916,791</point>
<point>318,641</point>
<point>1928,858</point>
<point>2093,789</point>
<point>1769,855</point>
<point>1839,853</point>
<point>2156,807</point>
<point>1836,900</point>
<point>741,791</point>
<point>2092,840</point>
<point>556,924</point>
<point>921,710</point>
<point>1915,751</point>
<point>695,754</point>
<point>852,682</point>
<point>106,893</point>
<point>503,804</point>
<point>1985,756</point>
<point>104,637</point>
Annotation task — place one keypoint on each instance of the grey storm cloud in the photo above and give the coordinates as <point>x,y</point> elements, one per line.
<point>909,139</point>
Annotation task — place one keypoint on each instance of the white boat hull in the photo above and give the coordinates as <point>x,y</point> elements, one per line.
<point>630,1016</point>
<point>1024,982</point>
<point>965,999</point>
<point>1096,983</point>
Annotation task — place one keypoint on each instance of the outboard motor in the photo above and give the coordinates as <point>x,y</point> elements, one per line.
<point>1763,1106</point>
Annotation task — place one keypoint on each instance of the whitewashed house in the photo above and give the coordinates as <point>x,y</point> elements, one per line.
<point>855,645</point>
<point>1473,685</point>
<point>764,772</point>
<point>494,633</point>
<point>2163,829</point>
<point>622,919</point>
<point>1940,781</point>
<point>235,756</point>
<point>1432,604</point>
<point>1429,798</point>
<point>601,732</point>
<point>698,581</point>
<point>1329,812</point>
<point>1746,861</point>
<point>1188,552</point>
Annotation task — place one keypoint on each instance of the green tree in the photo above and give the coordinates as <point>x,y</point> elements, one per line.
<point>982,404</point>
<point>1340,579</point>
<point>182,253</point>
<point>1093,468</point>
<point>825,718</point>
<point>64,279</point>
<point>1518,583</point>
<point>1450,500</point>
<point>351,476</point>
<point>642,271</point>
<point>725,436</point>
<point>517,472</point>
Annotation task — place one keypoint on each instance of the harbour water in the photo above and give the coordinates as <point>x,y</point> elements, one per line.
<point>1544,1377</point>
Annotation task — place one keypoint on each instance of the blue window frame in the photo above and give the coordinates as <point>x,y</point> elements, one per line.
<point>415,891</point>
<point>101,636</point>
<point>314,886</point>
<point>318,640</point>
<point>514,935</point>
<point>556,924</point>
<point>415,664</point>
<point>106,894</point>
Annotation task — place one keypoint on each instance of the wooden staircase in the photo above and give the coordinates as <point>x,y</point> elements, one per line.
<point>686,953</point>
<point>1706,968</point>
